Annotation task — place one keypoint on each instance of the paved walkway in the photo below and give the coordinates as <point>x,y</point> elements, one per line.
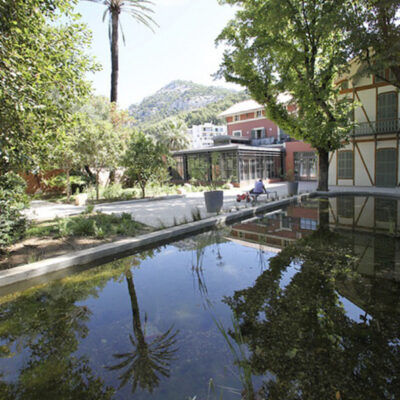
<point>169,212</point>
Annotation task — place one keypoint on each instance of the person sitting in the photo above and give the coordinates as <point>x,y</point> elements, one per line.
<point>258,188</point>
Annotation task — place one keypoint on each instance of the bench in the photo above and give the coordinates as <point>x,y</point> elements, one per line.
<point>255,196</point>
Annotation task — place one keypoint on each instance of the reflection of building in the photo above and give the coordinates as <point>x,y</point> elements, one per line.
<point>203,135</point>
<point>279,229</point>
<point>253,148</point>
<point>371,158</point>
<point>372,226</point>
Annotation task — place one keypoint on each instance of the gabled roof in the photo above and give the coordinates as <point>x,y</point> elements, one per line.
<point>243,106</point>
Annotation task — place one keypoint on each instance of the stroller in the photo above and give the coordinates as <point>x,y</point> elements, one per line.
<point>244,197</point>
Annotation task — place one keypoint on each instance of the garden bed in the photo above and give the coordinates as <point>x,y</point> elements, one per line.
<point>47,240</point>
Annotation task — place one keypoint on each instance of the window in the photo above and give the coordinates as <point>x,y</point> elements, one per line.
<point>236,118</point>
<point>258,133</point>
<point>345,207</point>
<point>258,114</point>
<point>237,133</point>
<point>385,210</point>
<point>387,106</point>
<point>387,113</point>
<point>308,224</point>
<point>345,165</point>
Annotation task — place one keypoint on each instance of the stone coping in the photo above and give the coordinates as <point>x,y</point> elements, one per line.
<point>121,248</point>
<point>355,192</point>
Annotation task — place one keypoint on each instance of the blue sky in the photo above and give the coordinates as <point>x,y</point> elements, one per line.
<point>181,48</point>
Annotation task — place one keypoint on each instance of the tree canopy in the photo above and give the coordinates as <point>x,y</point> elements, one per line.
<point>145,160</point>
<point>293,48</point>
<point>42,75</point>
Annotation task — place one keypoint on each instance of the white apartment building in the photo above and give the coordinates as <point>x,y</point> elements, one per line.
<point>202,135</point>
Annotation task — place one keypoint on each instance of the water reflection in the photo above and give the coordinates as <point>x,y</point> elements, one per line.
<point>145,362</point>
<point>303,334</point>
<point>45,327</point>
<point>369,225</point>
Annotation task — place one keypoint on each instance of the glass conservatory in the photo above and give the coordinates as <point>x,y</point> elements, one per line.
<point>232,163</point>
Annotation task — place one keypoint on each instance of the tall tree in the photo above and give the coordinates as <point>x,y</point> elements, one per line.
<point>295,47</point>
<point>140,11</point>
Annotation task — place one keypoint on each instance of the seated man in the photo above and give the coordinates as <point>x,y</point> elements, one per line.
<point>258,188</point>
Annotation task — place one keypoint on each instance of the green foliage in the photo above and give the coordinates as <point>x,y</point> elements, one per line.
<point>42,76</point>
<point>97,225</point>
<point>12,201</point>
<point>171,133</point>
<point>60,181</point>
<point>113,191</point>
<point>144,160</point>
<point>101,147</point>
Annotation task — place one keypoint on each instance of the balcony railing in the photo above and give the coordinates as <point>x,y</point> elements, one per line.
<point>377,127</point>
<point>263,141</point>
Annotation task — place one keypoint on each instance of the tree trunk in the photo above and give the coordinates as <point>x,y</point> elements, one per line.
<point>143,188</point>
<point>137,325</point>
<point>323,214</point>
<point>89,172</point>
<point>323,167</point>
<point>97,185</point>
<point>114,56</point>
<point>68,184</point>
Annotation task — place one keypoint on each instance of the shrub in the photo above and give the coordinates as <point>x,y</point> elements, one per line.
<point>113,191</point>
<point>12,201</point>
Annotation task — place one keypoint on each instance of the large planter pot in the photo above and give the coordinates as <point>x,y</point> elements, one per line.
<point>292,188</point>
<point>214,200</point>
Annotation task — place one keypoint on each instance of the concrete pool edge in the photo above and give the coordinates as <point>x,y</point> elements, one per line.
<point>356,193</point>
<point>82,257</point>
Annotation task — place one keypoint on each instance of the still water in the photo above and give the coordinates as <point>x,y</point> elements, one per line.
<point>303,303</point>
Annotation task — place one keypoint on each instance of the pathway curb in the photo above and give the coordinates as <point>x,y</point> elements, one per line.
<point>121,247</point>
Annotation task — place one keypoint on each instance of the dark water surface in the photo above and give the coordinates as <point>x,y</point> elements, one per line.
<point>318,320</point>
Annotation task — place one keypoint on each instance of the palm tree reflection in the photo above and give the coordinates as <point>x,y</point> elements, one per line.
<point>144,365</point>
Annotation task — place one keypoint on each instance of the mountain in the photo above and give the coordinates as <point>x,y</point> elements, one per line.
<point>189,101</point>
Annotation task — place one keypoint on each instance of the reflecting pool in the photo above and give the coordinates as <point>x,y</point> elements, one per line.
<point>302,303</point>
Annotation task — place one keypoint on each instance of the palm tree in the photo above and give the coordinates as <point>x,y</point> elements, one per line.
<point>140,11</point>
<point>145,362</point>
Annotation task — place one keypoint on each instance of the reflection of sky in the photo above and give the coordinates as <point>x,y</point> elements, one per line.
<point>168,294</point>
<point>352,311</point>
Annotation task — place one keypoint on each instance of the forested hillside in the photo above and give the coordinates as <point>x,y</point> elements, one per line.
<point>190,102</point>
